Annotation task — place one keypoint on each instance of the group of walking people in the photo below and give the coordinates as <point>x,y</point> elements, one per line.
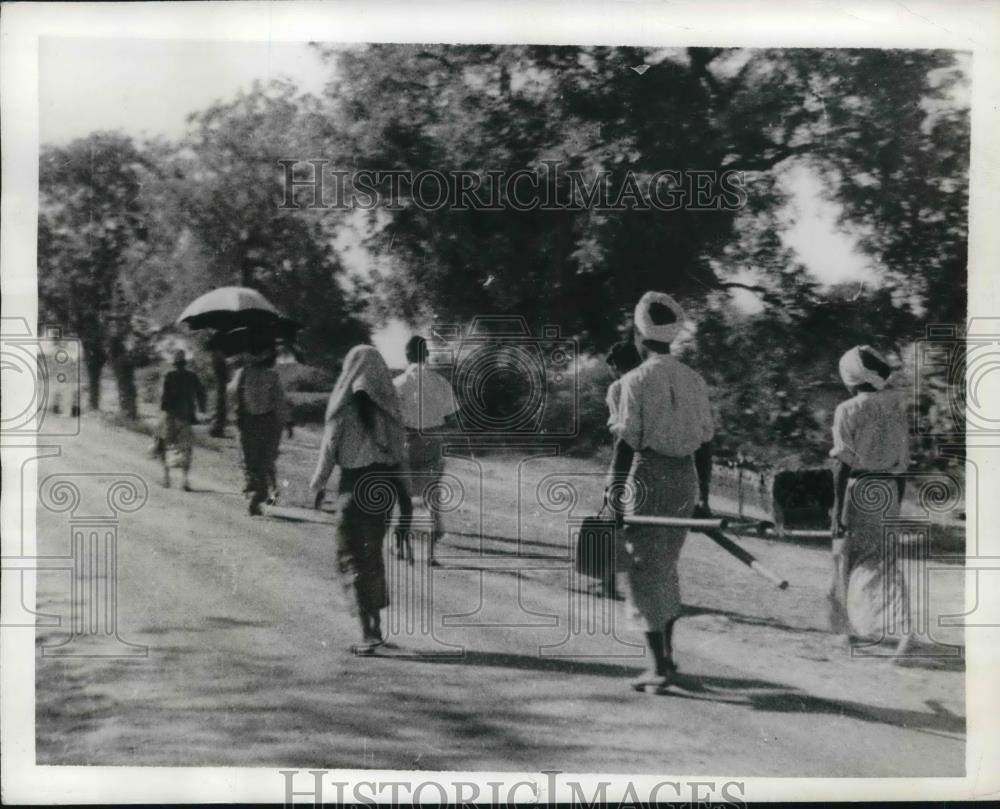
<point>661,418</point>
<point>383,434</point>
<point>262,414</point>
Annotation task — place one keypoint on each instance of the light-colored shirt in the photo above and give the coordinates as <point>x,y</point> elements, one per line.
<point>870,432</point>
<point>259,391</point>
<point>347,444</point>
<point>425,398</point>
<point>663,405</point>
<point>614,394</point>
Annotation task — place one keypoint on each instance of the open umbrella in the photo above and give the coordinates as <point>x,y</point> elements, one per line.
<point>229,308</point>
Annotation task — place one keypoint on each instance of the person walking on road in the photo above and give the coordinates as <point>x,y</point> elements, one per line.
<point>622,358</point>
<point>260,415</point>
<point>364,437</point>
<point>868,596</point>
<point>426,402</point>
<point>182,397</point>
<point>663,459</point>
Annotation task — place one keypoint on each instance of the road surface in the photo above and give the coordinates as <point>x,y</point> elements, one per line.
<point>248,660</point>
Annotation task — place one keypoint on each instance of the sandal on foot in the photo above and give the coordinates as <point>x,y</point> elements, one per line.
<point>651,681</point>
<point>366,649</point>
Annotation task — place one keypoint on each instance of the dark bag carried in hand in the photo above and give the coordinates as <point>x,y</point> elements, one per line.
<point>595,546</point>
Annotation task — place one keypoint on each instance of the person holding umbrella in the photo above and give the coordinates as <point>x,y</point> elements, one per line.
<point>664,430</point>
<point>364,437</point>
<point>183,395</point>
<point>232,312</point>
<point>260,416</point>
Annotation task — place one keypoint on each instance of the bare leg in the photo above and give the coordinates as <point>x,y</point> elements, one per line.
<point>166,476</point>
<point>654,642</point>
<point>435,532</point>
<point>668,648</point>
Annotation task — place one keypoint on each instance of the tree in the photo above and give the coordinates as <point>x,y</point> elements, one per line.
<point>885,129</point>
<point>228,189</point>
<point>223,191</point>
<point>92,236</point>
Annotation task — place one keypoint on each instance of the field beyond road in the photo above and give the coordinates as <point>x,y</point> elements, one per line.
<point>248,658</point>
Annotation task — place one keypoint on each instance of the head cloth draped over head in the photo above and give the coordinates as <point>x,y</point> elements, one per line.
<point>365,370</point>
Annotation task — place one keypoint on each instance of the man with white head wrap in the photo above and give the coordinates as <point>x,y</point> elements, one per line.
<point>871,448</point>
<point>664,431</point>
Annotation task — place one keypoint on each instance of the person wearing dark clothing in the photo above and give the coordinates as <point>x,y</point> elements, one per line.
<point>183,396</point>
<point>261,415</point>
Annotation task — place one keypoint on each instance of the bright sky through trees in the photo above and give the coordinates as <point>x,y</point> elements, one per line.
<point>148,88</point>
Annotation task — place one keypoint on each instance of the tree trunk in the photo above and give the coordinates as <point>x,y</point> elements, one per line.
<point>221,378</point>
<point>95,359</point>
<point>124,370</point>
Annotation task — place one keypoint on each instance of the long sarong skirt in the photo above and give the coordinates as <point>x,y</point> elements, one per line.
<point>178,442</point>
<point>260,436</point>
<point>365,503</point>
<point>876,603</point>
<point>665,487</point>
<point>426,458</point>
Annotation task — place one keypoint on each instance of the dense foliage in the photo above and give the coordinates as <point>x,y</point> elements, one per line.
<point>129,230</point>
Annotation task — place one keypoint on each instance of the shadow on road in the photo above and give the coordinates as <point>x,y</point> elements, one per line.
<point>760,695</point>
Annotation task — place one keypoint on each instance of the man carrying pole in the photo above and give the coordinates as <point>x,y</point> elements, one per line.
<point>662,456</point>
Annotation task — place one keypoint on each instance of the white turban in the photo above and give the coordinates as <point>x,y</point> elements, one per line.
<point>854,372</point>
<point>648,330</point>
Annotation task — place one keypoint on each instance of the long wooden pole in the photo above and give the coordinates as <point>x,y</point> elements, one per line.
<point>712,528</point>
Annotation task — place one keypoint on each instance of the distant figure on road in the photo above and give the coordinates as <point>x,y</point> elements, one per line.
<point>622,358</point>
<point>426,402</point>
<point>261,413</point>
<point>664,431</point>
<point>364,437</point>
<point>183,395</point>
<point>872,449</point>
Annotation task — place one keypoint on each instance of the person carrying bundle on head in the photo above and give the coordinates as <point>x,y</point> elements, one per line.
<point>871,447</point>
<point>663,456</point>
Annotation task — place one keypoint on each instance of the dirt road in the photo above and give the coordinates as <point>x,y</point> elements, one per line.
<point>248,661</point>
